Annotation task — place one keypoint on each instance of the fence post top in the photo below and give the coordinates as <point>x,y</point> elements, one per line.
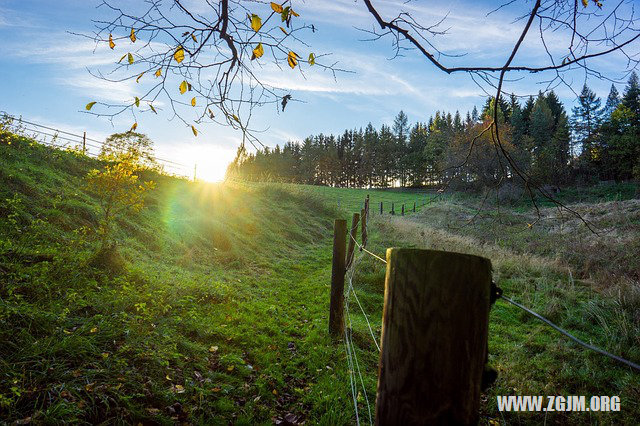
<point>399,251</point>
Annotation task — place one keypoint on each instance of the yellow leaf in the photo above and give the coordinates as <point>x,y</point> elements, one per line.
<point>132,36</point>
<point>168,378</point>
<point>159,72</point>
<point>292,59</point>
<point>153,109</point>
<point>111,43</point>
<point>235,117</point>
<point>134,127</point>
<point>275,392</point>
<point>585,3</point>
<point>90,105</point>
<point>94,330</point>
<point>130,58</point>
<point>231,367</point>
<point>193,37</point>
<point>193,101</point>
<point>312,59</point>
<point>183,87</point>
<point>137,101</point>
<point>256,22</point>
<point>213,349</point>
<point>179,388</point>
<point>123,56</point>
<point>211,115</point>
<point>139,77</point>
<point>294,13</point>
<point>179,55</point>
<point>258,51</point>
<point>283,30</point>
<point>276,7</point>
<point>216,390</point>
<point>105,355</point>
<point>195,132</point>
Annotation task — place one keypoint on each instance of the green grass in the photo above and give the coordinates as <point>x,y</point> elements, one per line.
<point>220,313</point>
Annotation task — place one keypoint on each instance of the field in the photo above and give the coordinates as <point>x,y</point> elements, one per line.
<point>214,307</point>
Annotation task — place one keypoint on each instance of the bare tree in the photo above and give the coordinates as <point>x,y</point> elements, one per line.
<point>209,60</point>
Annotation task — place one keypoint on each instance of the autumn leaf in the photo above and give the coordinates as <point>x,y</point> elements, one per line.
<point>179,388</point>
<point>132,36</point>
<point>130,58</point>
<point>213,349</point>
<point>137,101</point>
<point>168,378</point>
<point>94,330</point>
<point>312,59</point>
<point>112,45</point>
<point>235,117</point>
<point>292,59</point>
<point>193,101</point>
<point>139,77</point>
<point>183,87</point>
<point>585,3</point>
<point>153,109</point>
<point>90,105</point>
<point>179,55</point>
<point>123,56</point>
<point>194,130</point>
<point>211,115</point>
<point>258,51</point>
<point>134,127</point>
<point>294,13</point>
<point>276,7</point>
<point>285,13</point>
<point>256,22</point>
<point>231,367</point>
<point>283,30</point>
<point>159,72</point>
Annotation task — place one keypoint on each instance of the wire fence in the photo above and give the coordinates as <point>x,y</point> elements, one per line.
<point>352,361</point>
<point>62,139</point>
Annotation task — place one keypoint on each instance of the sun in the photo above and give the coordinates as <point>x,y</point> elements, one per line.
<point>209,162</point>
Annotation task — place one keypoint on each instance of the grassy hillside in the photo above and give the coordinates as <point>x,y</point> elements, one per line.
<point>219,312</point>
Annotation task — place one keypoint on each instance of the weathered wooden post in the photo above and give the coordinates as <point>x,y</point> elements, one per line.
<point>352,239</point>
<point>336,304</point>
<point>392,209</point>
<point>363,227</point>
<point>414,206</point>
<point>380,207</point>
<point>84,143</point>
<point>402,209</point>
<point>434,336</point>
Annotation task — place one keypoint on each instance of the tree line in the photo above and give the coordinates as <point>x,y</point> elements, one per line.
<point>540,141</point>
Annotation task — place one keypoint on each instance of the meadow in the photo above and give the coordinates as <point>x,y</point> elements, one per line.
<point>214,308</point>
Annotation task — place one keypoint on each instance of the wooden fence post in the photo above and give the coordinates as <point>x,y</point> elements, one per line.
<point>336,304</point>
<point>414,206</point>
<point>392,209</point>
<point>363,227</point>
<point>352,239</point>
<point>380,207</point>
<point>435,324</point>
<point>402,209</point>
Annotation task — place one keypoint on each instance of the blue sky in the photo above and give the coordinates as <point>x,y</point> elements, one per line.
<point>45,77</point>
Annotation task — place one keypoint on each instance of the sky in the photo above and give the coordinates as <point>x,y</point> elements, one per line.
<point>45,78</point>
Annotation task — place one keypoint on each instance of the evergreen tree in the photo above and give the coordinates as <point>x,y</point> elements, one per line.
<point>613,100</point>
<point>586,119</point>
<point>631,98</point>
